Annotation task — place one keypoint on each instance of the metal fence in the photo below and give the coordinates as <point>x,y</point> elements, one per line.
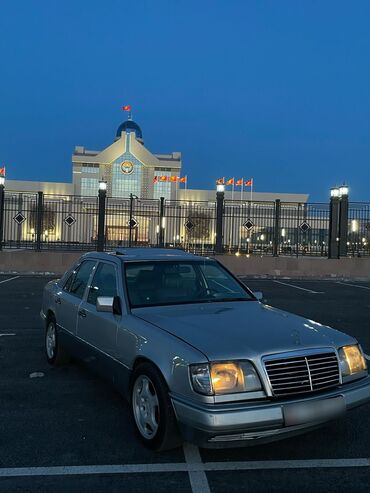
<point>55,222</point>
<point>358,237</point>
<point>276,228</point>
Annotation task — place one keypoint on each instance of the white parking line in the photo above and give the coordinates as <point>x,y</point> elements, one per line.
<point>353,285</point>
<point>198,479</point>
<point>8,334</point>
<point>10,279</point>
<point>192,467</point>
<point>298,287</point>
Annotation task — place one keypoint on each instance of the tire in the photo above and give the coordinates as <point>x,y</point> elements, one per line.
<point>55,353</point>
<point>152,410</point>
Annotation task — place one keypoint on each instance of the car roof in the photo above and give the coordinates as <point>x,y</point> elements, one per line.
<point>129,254</point>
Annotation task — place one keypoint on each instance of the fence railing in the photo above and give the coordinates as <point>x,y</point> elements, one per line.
<point>67,222</point>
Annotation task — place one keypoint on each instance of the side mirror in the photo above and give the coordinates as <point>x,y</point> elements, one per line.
<point>258,295</point>
<point>111,304</point>
<point>104,304</point>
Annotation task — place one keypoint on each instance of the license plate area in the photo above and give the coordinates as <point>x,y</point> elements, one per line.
<point>314,411</point>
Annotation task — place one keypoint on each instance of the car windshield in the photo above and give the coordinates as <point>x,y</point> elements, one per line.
<point>155,283</point>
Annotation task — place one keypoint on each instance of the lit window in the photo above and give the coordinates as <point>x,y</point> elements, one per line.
<point>89,187</point>
<point>126,179</point>
<point>162,188</point>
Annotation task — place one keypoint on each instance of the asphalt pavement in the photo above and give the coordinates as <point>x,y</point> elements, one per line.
<point>68,430</point>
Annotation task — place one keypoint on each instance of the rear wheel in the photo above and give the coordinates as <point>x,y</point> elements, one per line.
<point>152,409</point>
<point>55,353</point>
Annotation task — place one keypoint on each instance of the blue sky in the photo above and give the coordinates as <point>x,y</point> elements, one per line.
<point>274,90</point>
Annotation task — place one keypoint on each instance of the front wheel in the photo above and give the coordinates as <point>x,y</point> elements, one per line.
<point>55,353</point>
<point>152,410</point>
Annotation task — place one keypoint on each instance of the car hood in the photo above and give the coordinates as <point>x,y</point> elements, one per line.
<point>241,329</point>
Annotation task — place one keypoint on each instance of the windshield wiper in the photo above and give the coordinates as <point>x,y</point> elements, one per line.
<point>217,300</point>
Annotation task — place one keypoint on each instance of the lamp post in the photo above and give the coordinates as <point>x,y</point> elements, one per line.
<point>2,199</point>
<point>343,220</point>
<point>333,223</point>
<point>338,222</point>
<point>220,197</point>
<point>102,196</point>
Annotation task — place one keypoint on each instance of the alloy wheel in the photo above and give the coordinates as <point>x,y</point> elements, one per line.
<point>145,406</point>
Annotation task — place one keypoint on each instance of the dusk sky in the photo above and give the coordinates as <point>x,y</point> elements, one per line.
<point>274,90</point>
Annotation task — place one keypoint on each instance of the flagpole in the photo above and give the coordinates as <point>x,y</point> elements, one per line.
<point>252,190</point>
<point>240,216</point>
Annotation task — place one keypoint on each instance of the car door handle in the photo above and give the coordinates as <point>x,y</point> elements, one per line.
<point>82,313</point>
<point>58,300</point>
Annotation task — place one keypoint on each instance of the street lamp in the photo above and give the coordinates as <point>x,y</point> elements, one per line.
<point>220,188</point>
<point>334,192</point>
<point>102,185</point>
<point>2,181</point>
<point>102,195</point>
<point>343,191</point>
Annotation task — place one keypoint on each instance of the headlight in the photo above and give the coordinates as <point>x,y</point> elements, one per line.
<point>352,361</point>
<point>226,377</point>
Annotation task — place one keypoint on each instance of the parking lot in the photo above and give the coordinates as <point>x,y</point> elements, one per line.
<point>67,430</point>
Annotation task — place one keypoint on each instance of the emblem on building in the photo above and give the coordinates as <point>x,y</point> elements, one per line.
<point>127,167</point>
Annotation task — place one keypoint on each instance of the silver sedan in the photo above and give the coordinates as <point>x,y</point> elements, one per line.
<point>196,353</point>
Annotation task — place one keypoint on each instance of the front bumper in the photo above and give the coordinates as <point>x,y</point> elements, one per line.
<point>236,424</point>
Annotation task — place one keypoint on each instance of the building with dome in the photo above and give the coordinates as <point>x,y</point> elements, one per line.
<point>127,166</point>
<point>66,213</point>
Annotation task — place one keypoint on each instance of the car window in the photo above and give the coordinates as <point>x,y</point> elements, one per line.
<point>68,283</point>
<point>219,279</point>
<point>173,282</point>
<point>81,278</point>
<point>104,282</point>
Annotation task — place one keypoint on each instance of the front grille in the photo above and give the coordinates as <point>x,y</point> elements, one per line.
<point>303,373</point>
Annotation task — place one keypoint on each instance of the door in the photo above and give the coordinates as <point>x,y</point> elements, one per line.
<point>68,299</point>
<point>99,329</point>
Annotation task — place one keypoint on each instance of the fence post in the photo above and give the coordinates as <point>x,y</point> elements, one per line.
<point>102,195</point>
<point>343,225</point>
<point>161,222</point>
<point>2,200</point>
<point>333,227</point>
<point>39,219</point>
<point>220,197</point>
<point>130,220</point>
<point>277,228</point>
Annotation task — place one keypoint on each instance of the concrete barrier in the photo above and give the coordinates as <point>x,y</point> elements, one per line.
<point>302,267</point>
<point>26,262</point>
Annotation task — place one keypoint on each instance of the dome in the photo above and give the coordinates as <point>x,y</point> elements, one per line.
<point>129,126</point>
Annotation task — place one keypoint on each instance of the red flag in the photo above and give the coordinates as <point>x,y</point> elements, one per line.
<point>249,183</point>
<point>127,107</point>
<point>155,179</point>
<point>183,179</point>
<point>238,183</point>
<point>220,181</point>
<point>230,182</point>
<point>2,171</point>
<point>163,178</point>
<point>173,179</point>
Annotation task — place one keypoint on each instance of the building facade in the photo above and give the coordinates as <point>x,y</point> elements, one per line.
<point>66,213</point>
<point>127,166</point>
